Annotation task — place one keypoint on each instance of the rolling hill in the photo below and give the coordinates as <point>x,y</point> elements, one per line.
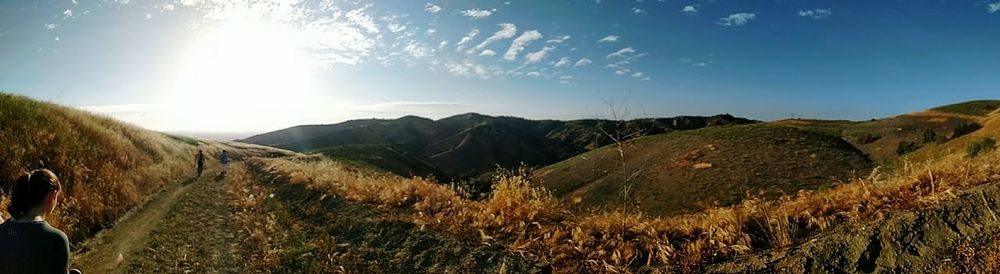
<point>687,171</point>
<point>471,144</point>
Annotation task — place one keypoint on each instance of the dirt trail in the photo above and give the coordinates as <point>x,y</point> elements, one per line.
<point>110,250</point>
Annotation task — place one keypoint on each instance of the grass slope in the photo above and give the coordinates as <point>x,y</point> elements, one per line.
<point>382,157</point>
<point>974,108</point>
<point>690,170</point>
<point>106,167</point>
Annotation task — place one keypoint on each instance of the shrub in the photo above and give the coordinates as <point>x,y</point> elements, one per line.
<point>867,138</point>
<point>965,128</point>
<point>905,147</point>
<point>981,146</point>
<point>929,136</point>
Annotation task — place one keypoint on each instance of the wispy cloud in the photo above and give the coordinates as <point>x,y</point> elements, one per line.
<point>537,56</point>
<point>488,52</point>
<point>520,42</point>
<point>582,62</point>
<point>51,26</point>
<point>67,14</point>
<point>816,13</point>
<point>432,8</point>
<point>737,19</point>
<point>469,69</point>
<point>624,52</point>
<point>638,11</point>
<point>993,7</point>
<point>507,30</point>
<point>690,10</point>
<point>465,40</point>
<point>609,39</point>
<point>563,62</point>
<point>477,13</point>
<point>558,39</point>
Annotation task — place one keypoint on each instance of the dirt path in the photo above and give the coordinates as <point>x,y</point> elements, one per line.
<point>112,249</point>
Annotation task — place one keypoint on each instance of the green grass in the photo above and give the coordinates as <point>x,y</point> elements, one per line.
<point>382,157</point>
<point>974,108</point>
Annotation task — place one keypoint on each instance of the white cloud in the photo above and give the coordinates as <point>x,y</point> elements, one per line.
<point>534,74</point>
<point>167,7</point>
<point>467,38</point>
<point>563,62</point>
<point>690,10</point>
<point>582,62</point>
<point>365,21</point>
<point>74,2</point>
<point>624,52</point>
<point>621,72</point>
<point>520,42</point>
<point>507,30</point>
<point>534,57</point>
<point>51,26</point>
<point>488,52</point>
<point>432,8</point>
<point>565,77</point>
<point>68,13</point>
<point>394,28</point>
<point>418,50</point>
<point>442,44</point>
<point>737,19</point>
<point>645,78</point>
<point>637,74</point>
<point>816,13</point>
<point>994,7</point>
<point>638,11</point>
<point>609,39</point>
<point>558,39</point>
<point>476,13</point>
<point>469,69</point>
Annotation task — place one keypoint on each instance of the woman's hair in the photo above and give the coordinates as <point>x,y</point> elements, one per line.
<point>30,191</point>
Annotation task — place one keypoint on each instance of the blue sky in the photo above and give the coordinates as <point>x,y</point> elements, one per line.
<point>249,66</point>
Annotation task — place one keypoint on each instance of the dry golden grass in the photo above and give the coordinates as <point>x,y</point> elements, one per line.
<point>529,221</point>
<point>259,228</point>
<point>106,167</point>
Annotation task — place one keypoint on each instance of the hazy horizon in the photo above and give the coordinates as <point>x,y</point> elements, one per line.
<point>255,66</point>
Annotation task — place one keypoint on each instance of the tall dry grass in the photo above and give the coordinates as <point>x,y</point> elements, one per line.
<point>106,167</point>
<point>530,221</point>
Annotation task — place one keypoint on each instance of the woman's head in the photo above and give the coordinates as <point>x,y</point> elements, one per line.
<point>34,192</point>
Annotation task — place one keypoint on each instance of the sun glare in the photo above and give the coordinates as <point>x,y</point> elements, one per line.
<point>240,75</point>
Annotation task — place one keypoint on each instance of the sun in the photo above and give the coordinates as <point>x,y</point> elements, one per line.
<point>240,75</point>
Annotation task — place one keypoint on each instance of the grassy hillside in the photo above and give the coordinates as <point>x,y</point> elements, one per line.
<point>472,144</point>
<point>384,157</point>
<point>688,171</point>
<point>880,138</point>
<point>106,167</point>
<point>974,108</point>
<point>530,221</point>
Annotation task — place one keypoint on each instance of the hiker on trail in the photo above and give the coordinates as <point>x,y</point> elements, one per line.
<point>224,160</point>
<point>28,244</point>
<point>200,160</point>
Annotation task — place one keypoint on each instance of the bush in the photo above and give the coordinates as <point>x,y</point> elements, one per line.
<point>965,128</point>
<point>905,147</point>
<point>981,146</point>
<point>867,138</point>
<point>929,136</point>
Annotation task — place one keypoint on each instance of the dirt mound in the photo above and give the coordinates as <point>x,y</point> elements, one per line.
<point>916,241</point>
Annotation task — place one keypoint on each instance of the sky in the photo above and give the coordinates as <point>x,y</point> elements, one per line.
<point>254,66</point>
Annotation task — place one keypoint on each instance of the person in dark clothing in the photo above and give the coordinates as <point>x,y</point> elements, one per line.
<point>224,160</point>
<point>200,161</point>
<point>28,244</point>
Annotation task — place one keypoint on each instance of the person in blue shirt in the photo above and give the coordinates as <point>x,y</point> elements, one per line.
<point>224,160</point>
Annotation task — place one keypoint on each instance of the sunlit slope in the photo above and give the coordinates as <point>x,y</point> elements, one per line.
<point>687,171</point>
<point>470,144</point>
<point>106,166</point>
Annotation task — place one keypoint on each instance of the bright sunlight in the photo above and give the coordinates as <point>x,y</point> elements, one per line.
<point>238,75</point>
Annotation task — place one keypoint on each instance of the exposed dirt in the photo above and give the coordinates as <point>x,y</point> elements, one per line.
<point>110,249</point>
<point>915,241</point>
